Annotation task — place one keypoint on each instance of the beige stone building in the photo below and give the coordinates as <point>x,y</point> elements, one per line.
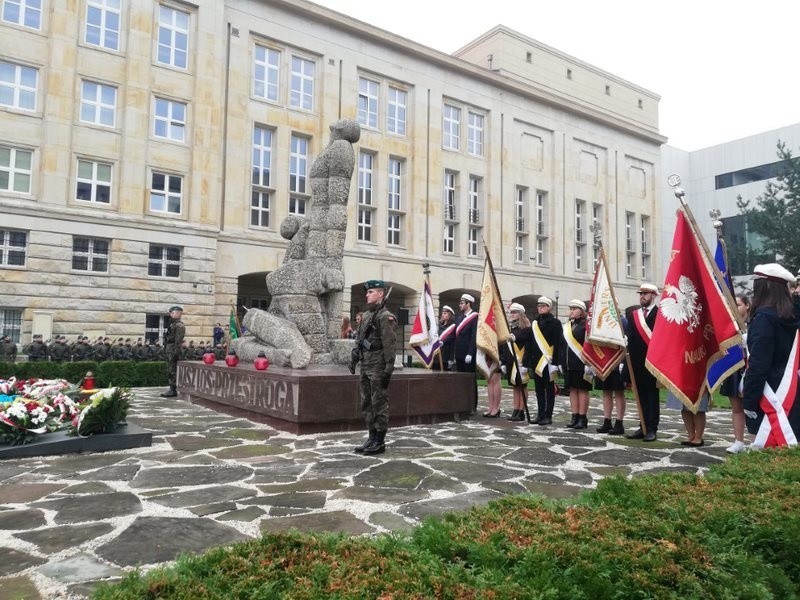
<point>150,150</point>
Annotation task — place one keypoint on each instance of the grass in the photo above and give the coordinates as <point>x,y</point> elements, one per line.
<point>731,534</point>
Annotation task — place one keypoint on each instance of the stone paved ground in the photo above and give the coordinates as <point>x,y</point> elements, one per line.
<point>69,521</point>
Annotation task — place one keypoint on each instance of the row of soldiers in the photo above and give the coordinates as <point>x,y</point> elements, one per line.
<point>102,349</point>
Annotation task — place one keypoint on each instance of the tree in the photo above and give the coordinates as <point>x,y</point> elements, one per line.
<point>776,214</point>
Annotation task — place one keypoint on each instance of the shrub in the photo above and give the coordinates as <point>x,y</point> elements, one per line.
<point>107,374</point>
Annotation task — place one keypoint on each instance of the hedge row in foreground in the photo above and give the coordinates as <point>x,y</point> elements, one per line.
<point>732,534</point>
<point>123,373</point>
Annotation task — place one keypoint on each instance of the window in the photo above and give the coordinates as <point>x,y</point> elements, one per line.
<point>164,261</point>
<point>473,243</point>
<point>449,208</point>
<point>645,245</point>
<point>13,247</point>
<point>15,170</point>
<point>630,246</point>
<point>541,228</point>
<point>396,111</point>
<point>597,221</point>
<point>367,102</point>
<point>475,134</point>
<point>451,127</point>
<point>580,235</point>
<point>94,182</point>
<point>102,23</point>
<point>608,90</point>
<point>365,189</point>
<point>449,238</point>
<point>98,103</point>
<point>166,193</point>
<point>27,13</point>
<point>266,73</point>
<point>569,73</point>
<point>169,119</point>
<point>298,169</point>
<point>89,254</point>
<point>521,225</point>
<point>173,37</point>
<point>155,327</point>
<point>11,323</point>
<point>474,215</point>
<point>394,203</point>
<point>301,90</point>
<point>261,177</point>
<point>18,86</point>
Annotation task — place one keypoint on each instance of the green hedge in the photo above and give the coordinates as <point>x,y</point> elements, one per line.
<point>122,373</point>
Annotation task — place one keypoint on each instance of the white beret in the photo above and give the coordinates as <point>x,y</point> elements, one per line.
<point>648,288</point>
<point>516,307</point>
<point>575,303</point>
<point>448,309</point>
<point>544,300</point>
<point>773,271</point>
<point>468,298</point>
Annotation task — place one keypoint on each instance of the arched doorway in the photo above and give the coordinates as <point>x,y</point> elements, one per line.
<point>252,293</point>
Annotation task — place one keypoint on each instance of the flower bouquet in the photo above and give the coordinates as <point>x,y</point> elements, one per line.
<point>23,419</point>
<point>102,413</point>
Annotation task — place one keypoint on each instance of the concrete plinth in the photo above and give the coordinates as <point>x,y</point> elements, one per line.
<point>322,397</point>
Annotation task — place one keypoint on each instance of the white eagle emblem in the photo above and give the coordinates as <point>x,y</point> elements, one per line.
<point>684,307</point>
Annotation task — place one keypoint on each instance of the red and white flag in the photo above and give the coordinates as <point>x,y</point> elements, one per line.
<point>425,330</point>
<point>604,347</point>
<point>695,323</point>
<point>492,324</point>
<point>776,429</point>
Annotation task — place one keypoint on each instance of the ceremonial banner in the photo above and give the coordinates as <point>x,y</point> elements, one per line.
<point>233,325</point>
<point>425,331</point>
<point>776,426</point>
<point>604,345</point>
<point>492,324</point>
<point>695,324</point>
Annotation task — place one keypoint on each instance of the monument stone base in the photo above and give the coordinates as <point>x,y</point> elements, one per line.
<point>322,398</point>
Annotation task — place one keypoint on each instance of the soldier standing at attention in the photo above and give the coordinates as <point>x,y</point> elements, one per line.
<point>59,351</point>
<point>8,350</point>
<point>377,339</point>
<point>172,348</point>
<point>37,350</point>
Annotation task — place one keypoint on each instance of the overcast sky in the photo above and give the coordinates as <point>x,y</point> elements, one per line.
<point>724,70</point>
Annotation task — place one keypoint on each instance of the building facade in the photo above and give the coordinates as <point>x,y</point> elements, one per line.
<point>149,151</point>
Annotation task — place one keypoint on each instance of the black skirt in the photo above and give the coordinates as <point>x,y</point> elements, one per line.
<point>612,382</point>
<point>576,381</point>
<point>730,385</point>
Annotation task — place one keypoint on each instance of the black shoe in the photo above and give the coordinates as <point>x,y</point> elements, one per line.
<point>573,420</point>
<point>367,442</point>
<point>605,427</point>
<point>376,446</point>
<point>650,437</point>
<point>545,421</point>
<point>535,420</point>
<point>636,435</point>
<point>513,416</point>
<point>618,429</point>
<point>582,422</point>
<point>171,393</point>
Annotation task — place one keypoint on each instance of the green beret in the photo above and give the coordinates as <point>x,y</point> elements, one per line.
<point>374,283</point>
<point>171,308</point>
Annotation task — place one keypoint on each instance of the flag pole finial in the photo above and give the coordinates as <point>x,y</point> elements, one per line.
<point>597,233</point>
<point>426,268</point>
<point>674,181</point>
<point>715,215</point>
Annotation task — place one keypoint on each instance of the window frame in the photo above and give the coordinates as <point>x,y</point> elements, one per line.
<point>164,261</point>
<point>394,202</point>
<point>23,11</point>
<point>298,174</point>
<point>104,10</point>
<point>11,323</point>
<point>96,104</point>
<point>475,133</point>
<point>94,182</point>
<point>169,121</point>
<point>396,112</point>
<point>18,89</point>
<point>92,255</point>
<point>366,193</point>
<point>6,248</point>
<point>267,68</point>
<point>15,171</point>
<point>175,31</point>
<point>451,127</point>
<point>300,97</point>
<point>165,192</point>
<point>368,106</point>
<point>261,190</point>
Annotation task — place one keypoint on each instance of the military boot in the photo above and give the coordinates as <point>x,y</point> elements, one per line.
<point>605,427</point>
<point>367,442</point>
<point>171,393</point>
<point>376,446</point>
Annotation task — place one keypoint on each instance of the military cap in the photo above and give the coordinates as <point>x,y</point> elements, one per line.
<point>516,307</point>
<point>774,272</point>
<point>575,303</point>
<point>545,301</point>
<point>373,284</point>
<point>648,288</point>
<point>176,307</point>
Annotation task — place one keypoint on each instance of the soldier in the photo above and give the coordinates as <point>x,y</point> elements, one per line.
<point>81,349</point>
<point>59,351</point>
<point>100,350</point>
<point>8,349</point>
<point>173,344</point>
<point>128,349</point>
<point>158,351</point>
<point>219,352</point>
<point>37,349</point>
<point>148,351</point>
<point>377,342</point>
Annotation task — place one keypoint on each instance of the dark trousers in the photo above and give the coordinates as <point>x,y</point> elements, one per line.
<point>545,394</point>
<point>172,358</point>
<point>649,398</point>
<point>463,367</point>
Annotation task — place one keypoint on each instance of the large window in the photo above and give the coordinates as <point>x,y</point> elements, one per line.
<point>368,102</point>
<point>98,103</point>
<point>449,238</point>
<point>166,193</point>
<point>449,209</point>
<point>644,240</point>
<point>18,86</point>
<point>27,13</point>
<point>173,37</point>
<point>164,261</point>
<point>597,221</point>
<point>90,254</point>
<point>580,235</point>
<point>261,192</point>
<point>396,113</point>
<point>11,323</point>
<point>169,119</point>
<point>521,225</point>
<point>394,203</point>
<point>630,244</point>
<point>475,134</point>
<point>298,173</point>
<point>15,170</point>
<point>103,23</point>
<point>266,73</point>
<point>155,327</point>
<point>93,182</point>
<point>542,230</point>
<point>301,90</point>
<point>13,247</point>
<point>365,190</point>
<point>474,194</point>
<point>451,127</point>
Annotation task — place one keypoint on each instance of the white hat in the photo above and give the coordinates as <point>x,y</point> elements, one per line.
<point>516,307</point>
<point>468,298</point>
<point>544,300</point>
<point>648,288</point>
<point>448,309</point>
<point>574,303</point>
<point>773,271</point>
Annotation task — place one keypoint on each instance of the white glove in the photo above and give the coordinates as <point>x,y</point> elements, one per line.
<point>503,369</point>
<point>621,367</point>
<point>552,369</point>
<point>587,370</point>
<point>523,371</point>
<point>750,414</point>
<point>468,359</point>
<point>625,337</point>
<point>512,337</point>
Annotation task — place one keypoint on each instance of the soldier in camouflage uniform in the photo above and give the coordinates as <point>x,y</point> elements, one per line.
<point>377,340</point>
<point>118,350</point>
<point>8,350</point>
<point>81,350</point>
<point>37,349</point>
<point>172,347</point>
<point>59,351</point>
<point>100,351</point>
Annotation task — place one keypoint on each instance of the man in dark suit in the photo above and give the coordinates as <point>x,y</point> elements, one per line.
<point>466,341</point>
<point>639,330</point>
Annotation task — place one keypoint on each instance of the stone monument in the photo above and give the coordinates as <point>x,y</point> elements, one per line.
<point>303,322</point>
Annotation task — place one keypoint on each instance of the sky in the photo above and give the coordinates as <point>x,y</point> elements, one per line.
<point>724,70</point>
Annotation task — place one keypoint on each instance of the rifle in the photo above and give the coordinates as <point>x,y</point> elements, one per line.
<point>362,343</point>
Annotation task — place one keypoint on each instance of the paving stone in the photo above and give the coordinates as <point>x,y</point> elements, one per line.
<point>13,561</point>
<point>578,477</point>
<point>488,451</point>
<point>202,496</point>
<point>74,464</point>
<point>192,443</point>
<point>286,511</point>
<point>428,508</point>
<point>55,539</point>
<point>154,493</point>
<point>9,471</point>
<point>26,518</point>
<point>390,521</point>
<point>18,588</point>
<point>88,588</point>
<point>245,433</point>
<point>305,500</point>
<point>621,457</point>
<point>381,495</point>
<point>413,453</point>
<point>250,451</point>
<point>472,472</point>
<point>251,513</point>
<point>543,478</point>
<point>212,509</point>
<point>93,507</point>
<point>90,487</point>
<point>441,483</point>
<point>304,485</point>
<point>610,471</point>
<point>506,488</point>
<point>567,438</point>
<point>340,468</point>
<point>199,459</point>
<point>78,568</point>
<point>115,473</point>
<point>538,457</point>
<point>552,490</point>
<point>403,442</point>
<point>331,522</point>
<point>184,476</point>
<point>157,539</point>
<point>393,474</point>
<point>693,458</point>
<point>26,492</point>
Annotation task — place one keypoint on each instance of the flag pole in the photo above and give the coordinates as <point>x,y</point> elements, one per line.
<point>596,229</point>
